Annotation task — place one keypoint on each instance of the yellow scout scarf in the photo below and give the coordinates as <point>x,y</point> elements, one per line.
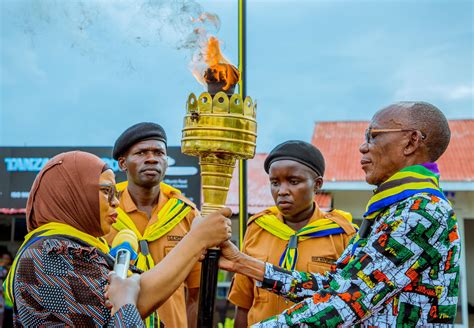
<point>169,216</point>
<point>172,213</point>
<point>314,229</point>
<point>48,230</point>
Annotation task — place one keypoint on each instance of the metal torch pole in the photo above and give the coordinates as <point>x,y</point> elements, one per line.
<point>208,274</point>
<point>243,92</point>
<point>208,289</point>
<point>210,265</point>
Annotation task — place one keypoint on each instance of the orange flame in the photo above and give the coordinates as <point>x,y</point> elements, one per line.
<point>218,68</point>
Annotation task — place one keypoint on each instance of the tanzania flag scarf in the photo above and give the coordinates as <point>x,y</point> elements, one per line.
<point>172,213</point>
<point>411,180</point>
<point>318,228</point>
<point>407,182</point>
<point>48,230</point>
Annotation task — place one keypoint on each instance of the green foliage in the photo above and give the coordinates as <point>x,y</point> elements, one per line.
<point>229,323</point>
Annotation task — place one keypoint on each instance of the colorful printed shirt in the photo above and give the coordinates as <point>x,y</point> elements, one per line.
<point>406,272</point>
<point>61,283</point>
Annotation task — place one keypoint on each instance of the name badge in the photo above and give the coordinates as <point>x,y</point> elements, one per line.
<point>323,260</point>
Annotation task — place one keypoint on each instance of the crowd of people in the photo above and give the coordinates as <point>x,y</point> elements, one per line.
<point>299,265</point>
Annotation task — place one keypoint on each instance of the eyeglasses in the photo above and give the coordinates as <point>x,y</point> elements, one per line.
<point>110,191</point>
<point>369,133</point>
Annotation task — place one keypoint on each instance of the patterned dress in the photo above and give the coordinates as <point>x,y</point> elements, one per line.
<point>60,283</point>
<point>405,273</point>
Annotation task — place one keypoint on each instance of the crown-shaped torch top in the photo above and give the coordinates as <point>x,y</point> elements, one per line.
<point>221,104</point>
<point>223,126</point>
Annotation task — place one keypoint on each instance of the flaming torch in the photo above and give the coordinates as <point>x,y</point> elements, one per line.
<point>219,128</point>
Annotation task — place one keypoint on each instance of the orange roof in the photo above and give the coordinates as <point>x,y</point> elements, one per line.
<point>258,189</point>
<point>340,141</point>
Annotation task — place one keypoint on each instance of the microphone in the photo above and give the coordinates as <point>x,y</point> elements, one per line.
<point>124,249</point>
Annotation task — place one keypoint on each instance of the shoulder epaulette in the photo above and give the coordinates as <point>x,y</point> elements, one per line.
<point>166,189</point>
<point>270,210</point>
<point>342,214</point>
<point>172,192</point>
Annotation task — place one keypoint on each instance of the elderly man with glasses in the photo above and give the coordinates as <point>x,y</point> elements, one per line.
<point>402,268</point>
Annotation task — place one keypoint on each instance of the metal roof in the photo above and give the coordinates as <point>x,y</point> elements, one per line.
<point>339,142</point>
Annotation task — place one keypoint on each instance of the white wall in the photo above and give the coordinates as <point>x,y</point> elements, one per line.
<point>351,201</point>
<point>469,255</point>
<point>463,203</point>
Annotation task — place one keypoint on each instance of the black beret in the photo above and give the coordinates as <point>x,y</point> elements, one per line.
<point>136,133</point>
<point>299,151</point>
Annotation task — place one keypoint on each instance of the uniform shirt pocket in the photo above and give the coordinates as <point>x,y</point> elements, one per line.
<point>168,249</point>
<point>320,267</point>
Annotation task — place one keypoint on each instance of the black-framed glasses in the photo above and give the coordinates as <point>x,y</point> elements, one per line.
<point>110,191</point>
<point>369,133</point>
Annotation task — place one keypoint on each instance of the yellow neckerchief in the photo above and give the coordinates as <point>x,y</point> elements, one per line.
<point>48,230</point>
<point>318,228</point>
<point>172,213</point>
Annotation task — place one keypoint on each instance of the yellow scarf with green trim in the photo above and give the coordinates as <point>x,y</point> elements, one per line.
<point>319,228</point>
<point>48,230</point>
<point>172,213</point>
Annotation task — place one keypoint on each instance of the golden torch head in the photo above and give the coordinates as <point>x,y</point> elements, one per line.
<point>219,130</point>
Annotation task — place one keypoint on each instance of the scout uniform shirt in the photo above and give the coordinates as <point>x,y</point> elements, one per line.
<point>314,255</point>
<point>173,312</point>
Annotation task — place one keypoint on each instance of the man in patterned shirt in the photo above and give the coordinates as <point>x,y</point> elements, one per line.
<point>402,268</point>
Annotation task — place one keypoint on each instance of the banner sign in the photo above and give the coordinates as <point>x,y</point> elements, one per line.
<point>20,165</point>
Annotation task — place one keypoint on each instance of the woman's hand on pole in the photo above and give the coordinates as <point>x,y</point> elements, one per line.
<point>213,229</point>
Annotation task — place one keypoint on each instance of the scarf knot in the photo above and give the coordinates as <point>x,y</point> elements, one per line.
<point>317,228</point>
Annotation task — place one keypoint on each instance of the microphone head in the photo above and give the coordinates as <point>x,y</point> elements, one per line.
<point>125,239</point>
<point>126,235</point>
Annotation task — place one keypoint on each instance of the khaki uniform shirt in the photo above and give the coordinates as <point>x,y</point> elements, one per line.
<point>173,312</point>
<point>314,255</point>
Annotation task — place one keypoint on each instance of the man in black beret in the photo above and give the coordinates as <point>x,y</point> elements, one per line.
<point>158,214</point>
<point>135,133</point>
<point>294,234</point>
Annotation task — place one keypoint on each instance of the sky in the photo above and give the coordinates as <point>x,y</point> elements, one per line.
<point>78,73</point>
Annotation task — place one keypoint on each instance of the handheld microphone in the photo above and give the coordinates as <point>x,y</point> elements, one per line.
<point>124,249</point>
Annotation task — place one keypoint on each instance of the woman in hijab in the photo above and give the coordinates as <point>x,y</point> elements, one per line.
<point>59,275</point>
